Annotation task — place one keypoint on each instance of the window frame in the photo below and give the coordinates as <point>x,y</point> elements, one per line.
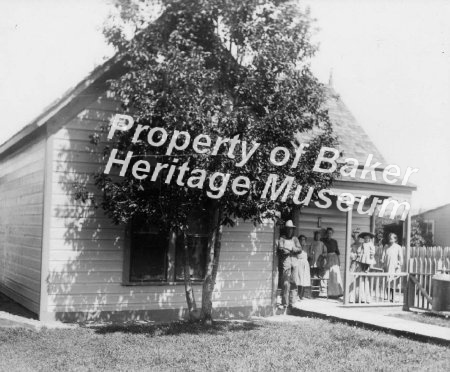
<point>170,273</point>
<point>175,261</point>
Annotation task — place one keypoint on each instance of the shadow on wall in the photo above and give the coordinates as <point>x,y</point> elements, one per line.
<point>86,260</point>
<point>85,247</point>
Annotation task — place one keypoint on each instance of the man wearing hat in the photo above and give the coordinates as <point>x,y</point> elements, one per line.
<point>288,249</point>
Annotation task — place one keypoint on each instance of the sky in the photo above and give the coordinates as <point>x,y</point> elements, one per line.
<point>390,62</point>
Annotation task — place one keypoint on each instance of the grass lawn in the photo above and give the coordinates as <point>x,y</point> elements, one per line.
<point>308,345</point>
<point>427,318</point>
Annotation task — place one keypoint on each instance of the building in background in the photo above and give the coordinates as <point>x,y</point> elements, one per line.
<point>436,222</point>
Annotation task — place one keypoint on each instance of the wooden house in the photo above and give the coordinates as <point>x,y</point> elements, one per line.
<point>65,260</point>
<point>437,223</point>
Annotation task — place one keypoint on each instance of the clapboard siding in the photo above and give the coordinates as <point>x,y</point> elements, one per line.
<point>21,216</point>
<point>86,250</point>
<point>331,217</point>
<point>99,307</point>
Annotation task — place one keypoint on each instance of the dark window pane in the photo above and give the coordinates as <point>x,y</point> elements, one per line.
<point>148,256</point>
<point>197,246</point>
<point>199,221</point>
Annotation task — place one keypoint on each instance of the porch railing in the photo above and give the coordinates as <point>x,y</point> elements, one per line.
<point>375,288</point>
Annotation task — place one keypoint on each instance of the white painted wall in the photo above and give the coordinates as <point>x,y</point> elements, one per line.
<point>21,216</point>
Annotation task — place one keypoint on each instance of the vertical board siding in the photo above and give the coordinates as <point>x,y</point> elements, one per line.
<point>21,216</point>
<point>86,251</point>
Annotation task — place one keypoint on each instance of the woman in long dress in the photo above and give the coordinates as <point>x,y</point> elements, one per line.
<point>392,260</point>
<point>304,277</point>
<point>355,267</point>
<point>333,265</point>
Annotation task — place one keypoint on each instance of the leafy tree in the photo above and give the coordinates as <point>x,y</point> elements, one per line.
<point>220,68</point>
<point>417,239</point>
<point>419,236</point>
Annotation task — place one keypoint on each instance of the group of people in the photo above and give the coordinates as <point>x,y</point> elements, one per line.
<point>298,262</point>
<point>363,258</point>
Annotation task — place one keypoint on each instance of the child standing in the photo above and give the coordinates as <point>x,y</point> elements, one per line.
<point>367,260</point>
<point>367,251</point>
<point>317,254</point>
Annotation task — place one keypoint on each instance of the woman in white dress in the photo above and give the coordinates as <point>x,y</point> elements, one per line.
<point>392,260</point>
<point>304,277</point>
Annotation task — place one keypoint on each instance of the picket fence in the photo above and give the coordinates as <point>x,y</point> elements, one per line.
<point>382,288</point>
<point>423,264</point>
<point>439,256</point>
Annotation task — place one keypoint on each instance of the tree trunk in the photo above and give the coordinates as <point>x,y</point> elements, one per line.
<point>212,265</point>
<point>190,299</point>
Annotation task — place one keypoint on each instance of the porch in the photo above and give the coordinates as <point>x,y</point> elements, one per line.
<point>345,215</point>
<point>374,317</point>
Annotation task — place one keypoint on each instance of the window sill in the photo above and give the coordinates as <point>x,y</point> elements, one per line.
<point>160,284</point>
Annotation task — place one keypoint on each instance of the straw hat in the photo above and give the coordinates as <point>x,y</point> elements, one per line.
<point>364,234</point>
<point>289,223</point>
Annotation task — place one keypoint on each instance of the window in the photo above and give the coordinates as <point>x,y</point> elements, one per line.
<point>158,257</point>
<point>148,254</point>
<point>197,246</point>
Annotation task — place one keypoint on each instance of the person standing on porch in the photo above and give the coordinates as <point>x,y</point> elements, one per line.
<point>317,254</point>
<point>304,277</point>
<point>288,249</point>
<point>366,261</point>
<point>355,266</point>
<point>333,265</point>
<point>392,260</point>
<point>367,251</point>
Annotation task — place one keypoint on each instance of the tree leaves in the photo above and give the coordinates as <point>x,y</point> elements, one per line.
<point>219,68</point>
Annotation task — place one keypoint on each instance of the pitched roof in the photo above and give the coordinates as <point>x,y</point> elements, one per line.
<point>431,210</point>
<point>353,140</point>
